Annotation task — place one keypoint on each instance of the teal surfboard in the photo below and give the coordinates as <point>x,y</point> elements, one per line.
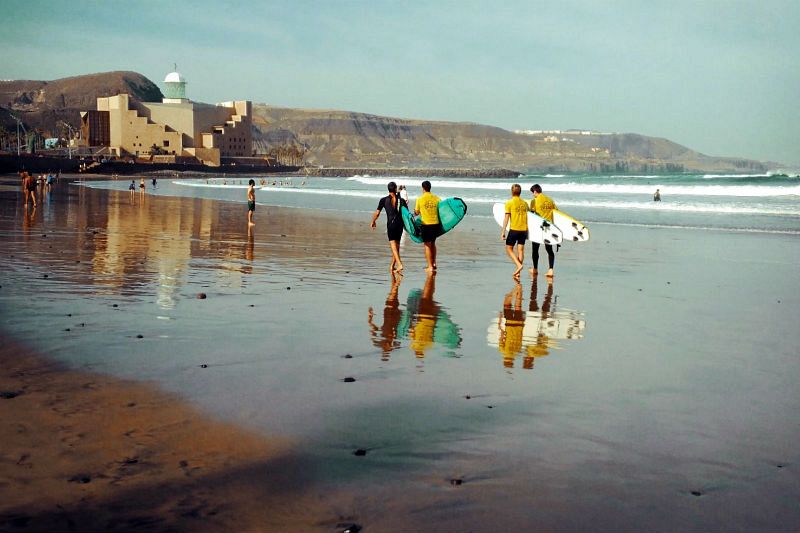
<point>451,212</point>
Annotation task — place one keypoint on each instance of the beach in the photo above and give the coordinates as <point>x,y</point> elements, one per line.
<point>652,386</point>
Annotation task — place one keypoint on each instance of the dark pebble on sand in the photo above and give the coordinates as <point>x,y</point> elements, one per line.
<point>288,288</point>
<point>114,305</point>
<point>7,394</point>
<point>779,466</point>
<point>132,404</point>
<point>80,479</point>
<point>456,482</point>
<point>204,365</point>
<point>140,336</point>
<point>348,528</point>
<point>283,235</point>
<point>69,314</point>
<point>348,356</point>
<point>45,276</point>
<point>130,460</point>
<point>183,464</point>
<point>361,452</point>
<point>697,493</point>
<point>67,329</point>
<point>668,283</point>
<point>468,397</point>
<point>44,235</point>
<point>77,261</point>
<point>349,380</point>
<point>640,290</point>
<point>83,324</point>
<point>201,296</point>
<point>490,406</point>
<point>252,305</point>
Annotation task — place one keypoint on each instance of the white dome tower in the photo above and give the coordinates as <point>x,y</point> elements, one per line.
<point>175,88</point>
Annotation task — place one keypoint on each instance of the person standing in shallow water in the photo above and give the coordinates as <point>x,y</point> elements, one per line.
<point>517,213</point>
<point>251,202</point>
<point>427,207</point>
<point>657,196</point>
<point>394,223</point>
<point>543,206</point>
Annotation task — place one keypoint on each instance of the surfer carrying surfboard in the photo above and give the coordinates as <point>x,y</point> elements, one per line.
<point>427,207</point>
<point>543,206</point>
<point>517,213</point>
<point>394,223</point>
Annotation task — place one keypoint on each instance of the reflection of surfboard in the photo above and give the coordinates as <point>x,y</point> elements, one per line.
<point>557,325</point>
<point>539,230</point>
<point>572,229</point>
<point>451,212</point>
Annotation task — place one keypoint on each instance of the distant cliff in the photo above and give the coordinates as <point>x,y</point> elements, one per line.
<point>345,139</point>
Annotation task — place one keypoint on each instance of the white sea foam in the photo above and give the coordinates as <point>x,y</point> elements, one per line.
<point>714,176</point>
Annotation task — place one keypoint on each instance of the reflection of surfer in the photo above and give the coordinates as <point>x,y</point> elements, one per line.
<point>386,336</point>
<point>542,345</point>
<point>510,343</point>
<point>543,206</point>
<point>394,223</point>
<point>421,332</point>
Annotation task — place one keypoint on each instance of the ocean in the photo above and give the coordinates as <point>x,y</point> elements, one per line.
<point>761,203</point>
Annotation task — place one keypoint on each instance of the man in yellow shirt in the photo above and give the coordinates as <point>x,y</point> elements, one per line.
<point>427,207</point>
<point>516,212</point>
<point>543,206</point>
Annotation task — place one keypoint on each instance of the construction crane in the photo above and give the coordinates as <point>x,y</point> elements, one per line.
<point>69,140</point>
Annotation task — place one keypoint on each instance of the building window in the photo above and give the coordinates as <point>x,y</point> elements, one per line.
<point>166,143</point>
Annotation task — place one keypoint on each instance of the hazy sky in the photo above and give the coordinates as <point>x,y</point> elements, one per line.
<point>720,77</point>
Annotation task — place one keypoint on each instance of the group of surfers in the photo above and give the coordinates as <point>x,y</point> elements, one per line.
<point>516,219</point>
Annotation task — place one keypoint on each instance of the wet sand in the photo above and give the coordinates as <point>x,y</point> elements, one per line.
<point>651,386</point>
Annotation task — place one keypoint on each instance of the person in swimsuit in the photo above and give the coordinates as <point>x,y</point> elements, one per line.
<point>141,186</point>
<point>30,189</point>
<point>394,223</point>
<point>251,202</point>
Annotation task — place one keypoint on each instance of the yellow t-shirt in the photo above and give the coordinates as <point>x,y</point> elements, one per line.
<point>428,207</point>
<point>544,206</point>
<point>518,209</point>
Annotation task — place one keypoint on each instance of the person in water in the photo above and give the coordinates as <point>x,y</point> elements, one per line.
<point>657,196</point>
<point>394,223</point>
<point>251,202</point>
<point>427,207</point>
<point>517,213</point>
<point>543,206</point>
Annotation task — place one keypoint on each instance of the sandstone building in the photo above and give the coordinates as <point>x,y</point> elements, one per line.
<point>175,129</point>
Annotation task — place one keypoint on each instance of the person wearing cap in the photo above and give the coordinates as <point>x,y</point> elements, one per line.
<point>543,206</point>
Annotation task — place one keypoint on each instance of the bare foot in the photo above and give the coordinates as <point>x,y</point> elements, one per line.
<point>533,271</point>
<point>398,269</point>
<point>518,270</point>
<point>549,273</point>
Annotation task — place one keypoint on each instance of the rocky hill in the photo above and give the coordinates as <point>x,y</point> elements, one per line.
<point>41,104</point>
<point>359,140</point>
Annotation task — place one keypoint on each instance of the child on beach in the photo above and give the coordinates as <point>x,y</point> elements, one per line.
<point>543,206</point>
<point>251,202</point>
<point>141,186</point>
<point>517,213</point>
<point>394,223</point>
<point>132,188</point>
<point>427,207</point>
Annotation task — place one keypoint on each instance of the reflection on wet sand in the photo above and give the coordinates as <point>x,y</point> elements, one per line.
<point>423,322</point>
<point>535,333</point>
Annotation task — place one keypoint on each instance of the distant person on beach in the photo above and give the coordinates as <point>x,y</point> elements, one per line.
<point>50,181</point>
<point>251,202</point>
<point>404,193</point>
<point>154,183</point>
<point>394,223</point>
<point>141,186</point>
<point>517,213</point>
<point>29,189</point>
<point>657,196</point>
<point>543,206</point>
<point>427,207</point>
<point>132,188</point>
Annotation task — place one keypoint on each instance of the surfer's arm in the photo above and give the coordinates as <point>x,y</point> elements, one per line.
<point>375,217</point>
<point>506,218</point>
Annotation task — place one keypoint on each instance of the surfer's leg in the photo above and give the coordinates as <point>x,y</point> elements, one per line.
<point>396,263</point>
<point>428,256</point>
<point>551,259</point>
<point>535,257</point>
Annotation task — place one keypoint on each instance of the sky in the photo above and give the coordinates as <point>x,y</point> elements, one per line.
<point>721,77</point>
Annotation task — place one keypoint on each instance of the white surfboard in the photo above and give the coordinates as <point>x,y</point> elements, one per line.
<point>539,230</point>
<point>573,230</point>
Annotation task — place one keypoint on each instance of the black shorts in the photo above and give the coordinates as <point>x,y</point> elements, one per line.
<point>516,237</point>
<point>394,233</point>
<point>251,206</point>
<point>430,232</point>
